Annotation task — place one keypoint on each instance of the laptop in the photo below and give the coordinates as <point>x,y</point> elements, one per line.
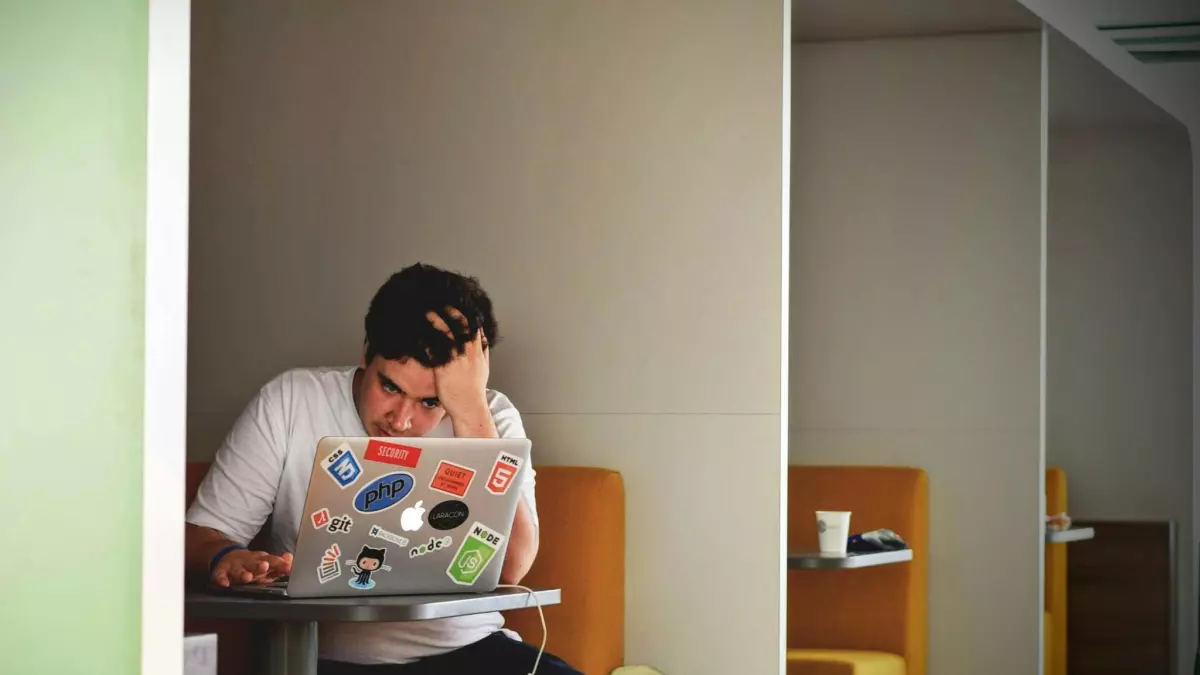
<point>398,516</point>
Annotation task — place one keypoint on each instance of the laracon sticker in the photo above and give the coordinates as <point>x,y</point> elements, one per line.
<point>320,519</point>
<point>342,523</point>
<point>452,479</point>
<point>392,453</point>
<point>380,533</point>
<point>331,567</point>
<point>474,554</point>
<point>503,473</point>
<point>342,466</point>
<point>368,562</point>
<point>383,493</point>
<point>448,515</point>
<point>433,545</point>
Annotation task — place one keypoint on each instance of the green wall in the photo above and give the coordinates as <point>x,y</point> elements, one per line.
<point>72,263</point>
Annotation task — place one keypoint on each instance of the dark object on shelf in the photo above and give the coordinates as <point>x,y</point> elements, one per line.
<point>875,540</point>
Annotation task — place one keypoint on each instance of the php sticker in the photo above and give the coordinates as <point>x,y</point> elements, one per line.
<point>448,515</point>
<point>474,554</point>
<point>383,493</point>
<point>342,466</point>
<point>320,519</point>
<point>392,453</point>
<point>452,479</point>
<point>331,567</point>
<point>503,473</point>
<point>433,545</point>
<point>380,533</point>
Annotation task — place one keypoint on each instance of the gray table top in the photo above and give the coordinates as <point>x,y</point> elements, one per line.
<point>202,605</point>
<point>812,560</point>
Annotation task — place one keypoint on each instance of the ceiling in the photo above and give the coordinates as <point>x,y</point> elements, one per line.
<point>1114,31</point>
<point>819,20</point>
<point>1084,91</point>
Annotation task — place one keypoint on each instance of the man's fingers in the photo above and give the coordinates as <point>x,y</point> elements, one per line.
<point>220,578</point>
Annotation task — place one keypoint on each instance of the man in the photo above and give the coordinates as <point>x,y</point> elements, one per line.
<point>424,372</point>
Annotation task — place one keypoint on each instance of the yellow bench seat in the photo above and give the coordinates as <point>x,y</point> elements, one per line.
<point>843,662</point>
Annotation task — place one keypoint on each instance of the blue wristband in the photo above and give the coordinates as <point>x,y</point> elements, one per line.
<point>221,554</point>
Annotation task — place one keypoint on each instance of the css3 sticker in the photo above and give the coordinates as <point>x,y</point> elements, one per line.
<point>342,466</point>
<point>474,554</point>
<point>383,493</point>
<point>503,473</point>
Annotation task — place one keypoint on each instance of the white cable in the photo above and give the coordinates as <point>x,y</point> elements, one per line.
<point>541,616</point>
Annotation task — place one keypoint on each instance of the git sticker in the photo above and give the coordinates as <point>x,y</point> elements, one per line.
<point>342,466</point>
<point>476,551</point>
<point>452,479</point>
<point>503,473</point>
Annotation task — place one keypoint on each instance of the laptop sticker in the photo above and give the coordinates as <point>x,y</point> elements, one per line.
<point>503,473</point>
<point>448,515</point>
<point>380,533</point>
<point>383,493</point>
<point>331,567</point>
<point>368,562</point>
<point>452,479</point>
<point>342,466</point>
<point>474,554</point>
<point>392,453</point>
<point>342,523</point>
<point>410,520</point>
<point>320,519</point>
<point>433,545</point>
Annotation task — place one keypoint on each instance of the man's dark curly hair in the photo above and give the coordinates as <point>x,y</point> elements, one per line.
<point>397,326</point>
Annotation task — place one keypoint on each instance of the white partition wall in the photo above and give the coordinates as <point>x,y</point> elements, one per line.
<point>612,171</point>
<point>915,308</point>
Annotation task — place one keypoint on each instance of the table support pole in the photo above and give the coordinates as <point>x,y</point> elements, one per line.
<point>290,648</point>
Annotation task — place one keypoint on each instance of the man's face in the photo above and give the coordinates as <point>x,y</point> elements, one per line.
<point>398,398</point>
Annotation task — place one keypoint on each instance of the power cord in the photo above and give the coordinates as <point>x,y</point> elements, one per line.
<point>541,616</point>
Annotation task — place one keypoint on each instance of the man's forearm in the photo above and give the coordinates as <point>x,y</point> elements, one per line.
<point>200,545</point>
<point>522,546</point>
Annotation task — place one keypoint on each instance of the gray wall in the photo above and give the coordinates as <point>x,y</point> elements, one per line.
<point>915,308</point>
<point>612,171</point>
<point>1119,329</point>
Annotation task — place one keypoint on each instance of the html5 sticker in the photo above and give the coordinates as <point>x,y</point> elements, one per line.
<point>392,453</point>
<point>452,479</point>
<point>503,473</point>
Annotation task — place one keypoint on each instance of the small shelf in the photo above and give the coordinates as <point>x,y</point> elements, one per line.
<point>812,560</point>
<point>1069,535</point>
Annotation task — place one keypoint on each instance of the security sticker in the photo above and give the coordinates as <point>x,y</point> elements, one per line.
<point>331,567</point>
<point>476,551</point>
<point>452,479</point>
<point>503,472</point>
<point>392,453</point>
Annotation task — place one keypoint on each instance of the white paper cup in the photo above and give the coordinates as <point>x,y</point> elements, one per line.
<point>833,529</point>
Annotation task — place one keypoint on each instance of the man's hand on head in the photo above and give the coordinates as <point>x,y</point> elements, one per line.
<point>462,383</point>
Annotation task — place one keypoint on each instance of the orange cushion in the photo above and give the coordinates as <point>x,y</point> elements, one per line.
<point>897,595</point>
<point>582,551</point>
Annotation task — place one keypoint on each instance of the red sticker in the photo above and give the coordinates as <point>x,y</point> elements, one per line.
<point>452,479</point>
<point>392,453</point>
<point>503,473</point>
<point>320,518</point>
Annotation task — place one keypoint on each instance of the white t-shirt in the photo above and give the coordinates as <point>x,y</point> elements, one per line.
<point>262,469</point>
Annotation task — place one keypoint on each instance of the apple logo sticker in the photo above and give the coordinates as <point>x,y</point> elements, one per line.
<point>410,520</point>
